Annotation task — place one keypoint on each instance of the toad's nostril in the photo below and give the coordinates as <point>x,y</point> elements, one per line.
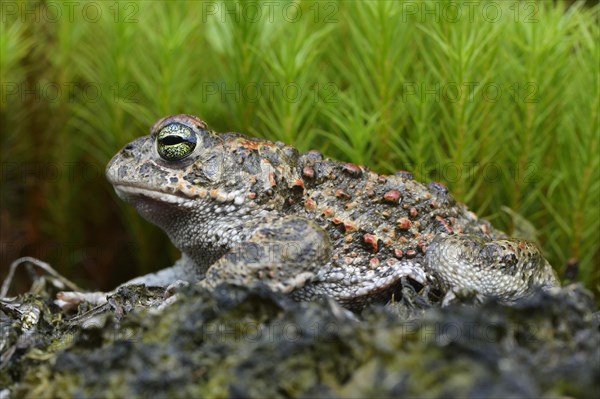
<point>129,147</point>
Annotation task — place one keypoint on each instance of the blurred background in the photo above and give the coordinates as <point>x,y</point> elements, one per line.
<point>497,100</point>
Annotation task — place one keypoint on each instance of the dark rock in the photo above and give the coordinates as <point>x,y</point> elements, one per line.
<point>237,342</point>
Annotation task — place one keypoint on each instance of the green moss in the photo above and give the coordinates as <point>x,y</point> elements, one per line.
<point>253,343</point>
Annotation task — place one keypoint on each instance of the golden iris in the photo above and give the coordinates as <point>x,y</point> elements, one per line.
<point>175,141</point>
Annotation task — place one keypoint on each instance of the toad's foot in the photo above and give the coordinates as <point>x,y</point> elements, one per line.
<point>68,300</point>
<point>506,269</point>
<point>282,253</point>
<point>171,278</point>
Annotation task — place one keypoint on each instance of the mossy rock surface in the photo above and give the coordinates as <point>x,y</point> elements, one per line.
<point>236,342</point>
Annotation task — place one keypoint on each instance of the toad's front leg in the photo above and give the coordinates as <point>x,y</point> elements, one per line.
<point>283,253</point>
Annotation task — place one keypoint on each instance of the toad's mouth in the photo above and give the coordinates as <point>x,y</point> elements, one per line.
<point>138,195</point>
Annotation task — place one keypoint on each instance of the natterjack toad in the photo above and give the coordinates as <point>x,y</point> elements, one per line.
<point>249,211</point>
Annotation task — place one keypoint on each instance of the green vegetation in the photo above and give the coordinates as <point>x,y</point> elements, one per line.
<point>500,102</point>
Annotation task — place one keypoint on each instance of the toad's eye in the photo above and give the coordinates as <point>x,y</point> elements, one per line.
<point>175,141</point>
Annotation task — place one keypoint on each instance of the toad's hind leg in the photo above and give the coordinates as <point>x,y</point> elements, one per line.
<point>283,253</point>
<point>507,269</point>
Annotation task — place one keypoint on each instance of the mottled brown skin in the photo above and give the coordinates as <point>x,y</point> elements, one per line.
<point>250,211</point>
